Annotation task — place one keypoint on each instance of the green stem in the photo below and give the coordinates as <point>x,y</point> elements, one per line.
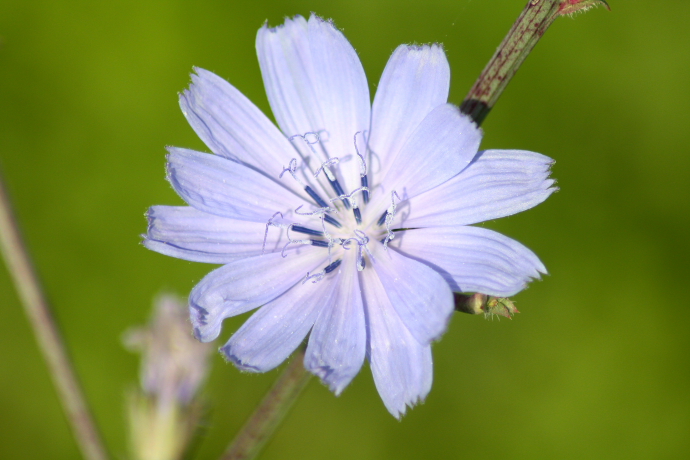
<point>47,334</point>
<point>273,408</point>
<point>529,27</point>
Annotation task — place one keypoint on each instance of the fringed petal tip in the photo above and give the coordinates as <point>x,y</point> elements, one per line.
<point>227,354</point>
<point>203,331</point>
<point>148,214</point>
<point>289,21</point>
<point>329,378</point>
<point>400,412</point>
<point>296,20</point>
<point>423,46</point>
<point>315,17</point>
<point>411,389</point>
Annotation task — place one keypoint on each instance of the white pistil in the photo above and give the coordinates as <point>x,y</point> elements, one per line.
<point>269,224</point>
<point>390,215</point>
<point>325,167</point>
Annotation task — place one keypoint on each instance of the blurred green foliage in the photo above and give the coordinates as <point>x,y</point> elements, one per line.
<point>595,366</point>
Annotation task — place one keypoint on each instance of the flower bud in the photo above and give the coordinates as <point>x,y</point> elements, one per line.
<point>477,303</point>
<point>499,306</point>
<point>163,413</point>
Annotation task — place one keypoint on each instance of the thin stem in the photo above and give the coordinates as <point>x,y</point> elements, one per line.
<point>47,334</point>
<point>270,412</point>
<point>529,27</point>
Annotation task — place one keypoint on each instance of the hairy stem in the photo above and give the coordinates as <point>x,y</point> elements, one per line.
<point>47,334</point>
<point>273,408</point>
<point>529,27</point>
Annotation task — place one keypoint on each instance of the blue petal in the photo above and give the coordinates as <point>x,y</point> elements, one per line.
<point>277,328</point>
<point>233,127</point>
<point>287,66</point>
<point>187,233</point>
<point>415,81</point>
<point>226,188</point>
<point>337,343</point>
<point>419,294</point>
<point>473,259</point>
<point>245,284</point>
<point>315,83</point>
<point>497,183</point>
<point>401,366</point>
<point>441,146</point>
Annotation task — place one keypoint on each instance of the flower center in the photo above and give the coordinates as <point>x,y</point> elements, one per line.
<point>336,224</point>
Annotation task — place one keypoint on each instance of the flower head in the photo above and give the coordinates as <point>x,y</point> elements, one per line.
<point>349,223</point>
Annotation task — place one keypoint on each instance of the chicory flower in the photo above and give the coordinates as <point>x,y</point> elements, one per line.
<point>350,223</point>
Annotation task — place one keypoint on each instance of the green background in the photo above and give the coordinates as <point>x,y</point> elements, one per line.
<point>595,366</point>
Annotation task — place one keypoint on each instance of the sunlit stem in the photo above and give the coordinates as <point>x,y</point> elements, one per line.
<point>47,334</point>
<point>273,408</point>
<point>529,27</point>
